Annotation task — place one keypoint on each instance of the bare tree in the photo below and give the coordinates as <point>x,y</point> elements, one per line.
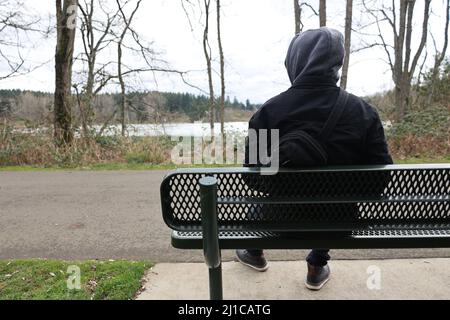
<point>298,13</point>
<point>15,23</point>
<point>298,16</point>
<point>222,75</point>
<point>127,22</point>
<point>402,61</point>
<point>348,42</point>
<point>439,55</point>
<point>66,14</point>
<point>323,13</point>
<point>96,36</point>
<point>128,40</point>
<point>208,58</point>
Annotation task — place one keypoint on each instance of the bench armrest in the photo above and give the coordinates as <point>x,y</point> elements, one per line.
<point>208,195</point>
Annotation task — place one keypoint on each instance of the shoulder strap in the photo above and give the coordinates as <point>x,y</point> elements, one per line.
<point>335,115</point>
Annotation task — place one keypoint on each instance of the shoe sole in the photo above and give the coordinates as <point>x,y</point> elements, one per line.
<point>252,266</point>
<point>317,287</point>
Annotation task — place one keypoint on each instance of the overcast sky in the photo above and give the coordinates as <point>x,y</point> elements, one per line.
<point>256,34</point>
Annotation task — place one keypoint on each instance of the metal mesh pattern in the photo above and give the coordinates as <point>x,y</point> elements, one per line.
<point>357,234</point>
<point>402,233</point>
<point>336,199</point>
<point>229,234</point>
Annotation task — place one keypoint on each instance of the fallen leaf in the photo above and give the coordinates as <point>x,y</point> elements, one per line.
<point>91,285</point>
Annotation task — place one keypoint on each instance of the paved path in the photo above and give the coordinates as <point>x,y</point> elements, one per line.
<point>107,215</point>
<point>398,279</point>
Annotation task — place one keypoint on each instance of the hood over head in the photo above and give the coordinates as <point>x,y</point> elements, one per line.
<point>315,55</point>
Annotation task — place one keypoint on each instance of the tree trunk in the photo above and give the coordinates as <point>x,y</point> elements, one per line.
<point>348,42</point>
<point>88,42</point>
<point>298,17</point>
<point>123,93</point>
<point>323,13</point>
<point>89,97</point>
<point>405,64</point>
<point>206,51</point>
<point>66,29</point>
<point>222,75</point>
<point>440,56</point>
<point>127,22</point>
<point>401,99</point>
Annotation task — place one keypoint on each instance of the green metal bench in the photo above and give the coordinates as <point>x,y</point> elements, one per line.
<point>362,207</point>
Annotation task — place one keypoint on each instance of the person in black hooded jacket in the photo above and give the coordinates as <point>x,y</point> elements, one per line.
<point>313,62</point>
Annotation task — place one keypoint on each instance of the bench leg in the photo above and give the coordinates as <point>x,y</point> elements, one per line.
<point>208,195</point>
<point>215,283</point>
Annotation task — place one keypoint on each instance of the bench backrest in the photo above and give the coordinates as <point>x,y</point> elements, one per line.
<point>324,199</point>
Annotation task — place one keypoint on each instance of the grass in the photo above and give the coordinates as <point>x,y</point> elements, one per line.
<point>110,166</point>
<point>120,166</point>
<point>419,160</point>
<point>47,280</point>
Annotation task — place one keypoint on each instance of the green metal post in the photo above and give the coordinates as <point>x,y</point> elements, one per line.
<point>208,195</point>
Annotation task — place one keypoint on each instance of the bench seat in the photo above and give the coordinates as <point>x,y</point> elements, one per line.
<point>370,239</point>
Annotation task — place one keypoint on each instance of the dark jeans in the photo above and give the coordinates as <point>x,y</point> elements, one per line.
<point>317,257</point>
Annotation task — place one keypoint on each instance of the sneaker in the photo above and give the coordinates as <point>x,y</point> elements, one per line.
<point>257,263</point>
<point>317,277</point>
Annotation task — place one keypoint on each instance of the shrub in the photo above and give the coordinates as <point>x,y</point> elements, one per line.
<point>424,133</point>
<point>36,148</point>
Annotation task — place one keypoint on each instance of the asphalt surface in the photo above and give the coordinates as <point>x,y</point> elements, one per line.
<point>109,215</point>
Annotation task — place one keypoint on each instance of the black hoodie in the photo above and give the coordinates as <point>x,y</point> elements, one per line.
<point>313,62</point>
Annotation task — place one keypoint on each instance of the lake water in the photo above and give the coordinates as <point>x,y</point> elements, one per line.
<point>184,129</point>
<point>177,129</point>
